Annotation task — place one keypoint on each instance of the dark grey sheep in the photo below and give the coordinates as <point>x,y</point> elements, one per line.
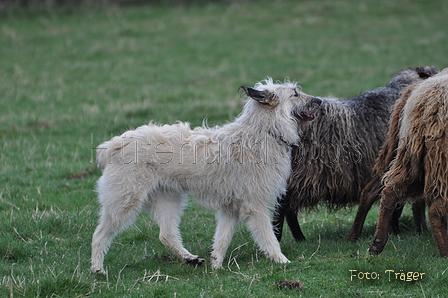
<point>334,159</point>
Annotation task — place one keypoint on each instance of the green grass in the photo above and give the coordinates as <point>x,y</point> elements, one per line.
<point>69,79</point>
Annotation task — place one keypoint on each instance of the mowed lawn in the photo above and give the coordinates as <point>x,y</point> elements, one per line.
<point>72,78</point>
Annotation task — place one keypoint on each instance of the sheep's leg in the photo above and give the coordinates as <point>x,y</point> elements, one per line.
<point>394,222</point>
<point>283,209</point>
<point>418,210</point>
<point>388,204</point>
<point>368,196</point>
<point>279,217</point>
<point>293,223</point>
<point>438,226</point>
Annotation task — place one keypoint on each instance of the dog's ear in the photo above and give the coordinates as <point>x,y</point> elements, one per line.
<point>264,97</point>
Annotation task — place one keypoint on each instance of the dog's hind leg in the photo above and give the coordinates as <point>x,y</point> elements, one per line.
<point>167,212</point>
<point>259,224</point>
<point>225,228</point>
<point>117,213</point>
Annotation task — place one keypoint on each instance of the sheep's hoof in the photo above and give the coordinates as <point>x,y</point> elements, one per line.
<point>353,238</point>
<point>373,250</point>
<point>376,248</point>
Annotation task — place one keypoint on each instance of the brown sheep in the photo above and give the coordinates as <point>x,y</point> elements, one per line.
<point>419,168</point>
<point>371,192</point>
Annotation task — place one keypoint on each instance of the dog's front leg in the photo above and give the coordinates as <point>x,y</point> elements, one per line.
<point>223,235</point>
<point>260,225</point>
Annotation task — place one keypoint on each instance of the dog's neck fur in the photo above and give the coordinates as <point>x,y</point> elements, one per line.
<point>283,132</point>
<point>281,140</point>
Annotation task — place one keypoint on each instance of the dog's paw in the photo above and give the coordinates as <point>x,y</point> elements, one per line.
<point>216,263</point>
<point>281,259</point>
<point>285,261</point>
<point>97,270</point>
<point>196,261</point>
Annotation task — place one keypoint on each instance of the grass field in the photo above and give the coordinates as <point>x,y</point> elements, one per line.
<point>72,78</point>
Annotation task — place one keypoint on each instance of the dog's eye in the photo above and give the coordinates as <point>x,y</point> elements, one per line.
<point>296,94</point>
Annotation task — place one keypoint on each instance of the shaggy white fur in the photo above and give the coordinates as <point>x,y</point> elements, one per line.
<point>238,169</point>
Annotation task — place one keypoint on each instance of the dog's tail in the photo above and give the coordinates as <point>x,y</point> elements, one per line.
<point>118,149</point>
<point>111,151</point>
<point>104,154</point>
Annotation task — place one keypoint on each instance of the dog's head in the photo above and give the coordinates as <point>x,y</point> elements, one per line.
<point>285,96</point>
<point>284,101</point>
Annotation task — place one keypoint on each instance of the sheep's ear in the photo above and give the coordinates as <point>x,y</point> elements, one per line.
<point>264,97</point>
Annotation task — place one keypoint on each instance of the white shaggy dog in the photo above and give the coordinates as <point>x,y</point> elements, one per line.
<point>238,169</point>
